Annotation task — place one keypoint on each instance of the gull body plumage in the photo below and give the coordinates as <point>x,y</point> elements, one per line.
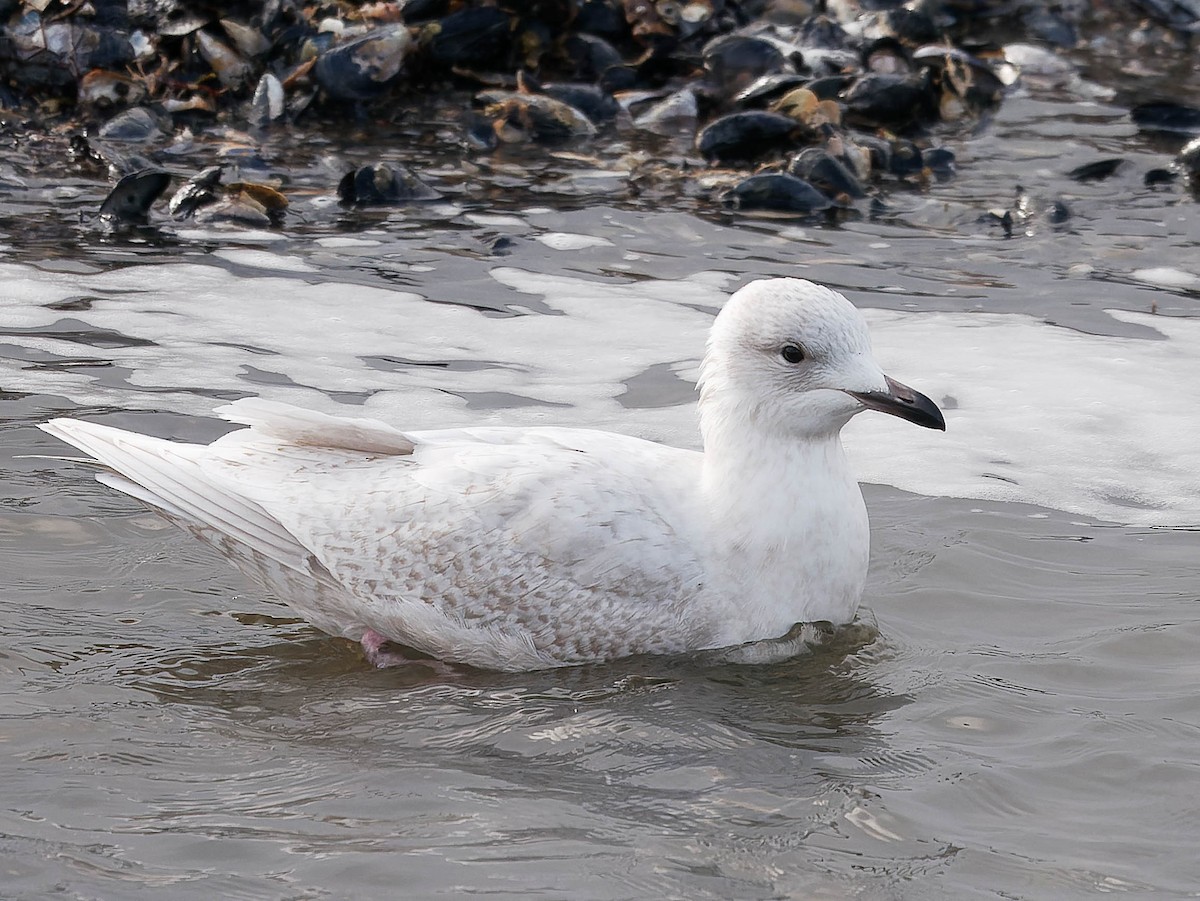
<point>524,548</point>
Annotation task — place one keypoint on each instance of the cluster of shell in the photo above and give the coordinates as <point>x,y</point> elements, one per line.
<point>786,105</point>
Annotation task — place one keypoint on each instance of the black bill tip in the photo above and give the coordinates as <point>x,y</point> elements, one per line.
<point>901,400</point>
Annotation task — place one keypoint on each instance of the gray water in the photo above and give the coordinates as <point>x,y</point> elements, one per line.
<point>1014,716</point>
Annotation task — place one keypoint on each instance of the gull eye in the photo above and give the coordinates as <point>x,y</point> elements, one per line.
<point>792,353</point>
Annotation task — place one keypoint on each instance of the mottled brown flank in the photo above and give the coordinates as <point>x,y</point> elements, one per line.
<point>503,564</point>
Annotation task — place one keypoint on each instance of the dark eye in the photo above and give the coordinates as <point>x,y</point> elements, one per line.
<point>792,353</point>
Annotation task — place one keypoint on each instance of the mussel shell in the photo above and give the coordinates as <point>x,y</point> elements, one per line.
<point>382,184</point>
<point>596,104</point>
<point>823,32</point>
<point>735,61</point>
<point>591,56</point>
<point>267,105</point>
<point>939,160</point>
<point>363,68</point>
<point>136,125</point>
<point>891,101</point>
<point>827,174</point>
<point>905,158</point>
<point>537,117</point>
<point>830,87</point>
<point>200,190</point>
<point>674,114</point>
<point>886,56</point>
<point>130,200</point>
<point>778,192</point>
<point>475,38</point>
<point>767,88</point>
<point>603,19</point>
<point>229,65</point>
<point>746,136</point>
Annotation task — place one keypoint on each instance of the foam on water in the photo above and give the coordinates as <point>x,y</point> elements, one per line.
<point>1094,425</point>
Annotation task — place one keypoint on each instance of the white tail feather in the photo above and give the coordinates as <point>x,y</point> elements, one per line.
<point>167,475</point>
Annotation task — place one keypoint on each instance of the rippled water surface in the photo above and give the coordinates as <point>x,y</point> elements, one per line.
<point>1016,715</point>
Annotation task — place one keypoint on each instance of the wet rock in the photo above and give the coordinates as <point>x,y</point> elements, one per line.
<point>777,192</point>
<point>130,200</point>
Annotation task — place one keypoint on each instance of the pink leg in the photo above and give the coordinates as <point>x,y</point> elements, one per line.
<point>381,653</point>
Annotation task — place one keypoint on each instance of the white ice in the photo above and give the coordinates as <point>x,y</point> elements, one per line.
<point>1098,426</point>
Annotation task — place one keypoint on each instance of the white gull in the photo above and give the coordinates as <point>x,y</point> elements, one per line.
<point>524,548</point>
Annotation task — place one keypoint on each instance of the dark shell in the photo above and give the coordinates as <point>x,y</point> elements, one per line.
<point>905,159</point>
<point>1097,171</point>
<point>1157,178</point>
<point>827,174</point>
<point>777,192</point>
<point>769,88</point>
<point>602,19</point>
<point>381,184</point>
<point>963,75</point>
<point>939,160</point>
<point>747,136</point>
<point>1169,117</point>
<point>886,56</point>
<point>1057,212</point>
<point>831,86</point>
<point>914,26</point>
<point>363,68</point>
<point>891,101</point>
<point>591,56</point>
<point>823,32</point>
<point>735,61</point>
<point>475,38</point>
<point>648,24</point>
<point>134,194</point>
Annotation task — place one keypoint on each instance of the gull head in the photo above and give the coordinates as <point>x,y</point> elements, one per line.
<point>792,357</point>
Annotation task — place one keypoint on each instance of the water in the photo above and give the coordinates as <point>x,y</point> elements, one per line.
<point>1015,717</point>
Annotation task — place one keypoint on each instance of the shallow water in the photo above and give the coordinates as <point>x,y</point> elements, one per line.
<point>1016,717</point>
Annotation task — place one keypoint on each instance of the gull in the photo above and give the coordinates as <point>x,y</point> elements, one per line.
<point>511,548</point>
